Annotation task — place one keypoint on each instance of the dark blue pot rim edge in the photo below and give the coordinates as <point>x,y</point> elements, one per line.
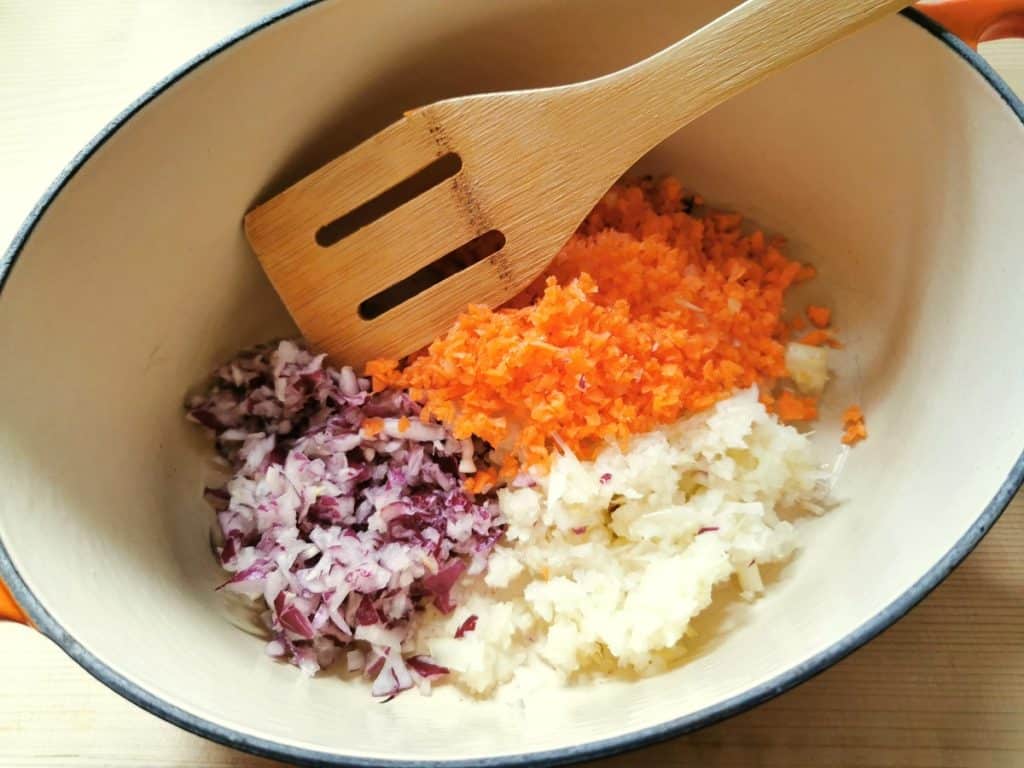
<point>596,749</point>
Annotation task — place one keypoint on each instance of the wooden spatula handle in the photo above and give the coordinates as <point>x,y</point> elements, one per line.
<point>649,101</point>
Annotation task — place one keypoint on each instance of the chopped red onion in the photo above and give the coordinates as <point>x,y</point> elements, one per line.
<point>345,534</point>
<point>424,666</point>
<point>467,626</point>
<point>440,585</point>
<point>394,677</point>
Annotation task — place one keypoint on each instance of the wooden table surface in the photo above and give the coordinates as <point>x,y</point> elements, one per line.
<point>944,688</point>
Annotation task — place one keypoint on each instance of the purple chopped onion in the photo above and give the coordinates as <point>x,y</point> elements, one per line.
<point>467,626</point>
<point>345,536</point>
<point>424,666</point>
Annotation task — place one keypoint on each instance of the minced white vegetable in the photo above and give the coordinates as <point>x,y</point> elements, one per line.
<point>807,366</point>
<point>606,562</point>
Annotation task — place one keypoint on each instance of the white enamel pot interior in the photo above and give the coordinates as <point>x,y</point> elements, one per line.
<point>893,161</point>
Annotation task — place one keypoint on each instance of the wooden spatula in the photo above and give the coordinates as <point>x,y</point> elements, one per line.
<point>530,166</point>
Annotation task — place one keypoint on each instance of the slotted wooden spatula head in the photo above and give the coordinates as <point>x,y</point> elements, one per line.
<point>501,194</point>
<point>528,166</point>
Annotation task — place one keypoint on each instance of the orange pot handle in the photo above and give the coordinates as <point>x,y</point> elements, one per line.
<point>9,610</point>
<point>977,21</point>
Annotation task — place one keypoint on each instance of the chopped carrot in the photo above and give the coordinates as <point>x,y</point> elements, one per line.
<point>791,407</point>
<point>853,425</point>
<point>482,481</point>
<point>384,373</point>
<point>372,427</point>
<point>805,273</point>
<point>855,433</point>
<point>798,323</point>
<point>820,338</point>
<point>404,424</point>
<point>820,316</point>
<point>509,466</point>
<point>646,315</point>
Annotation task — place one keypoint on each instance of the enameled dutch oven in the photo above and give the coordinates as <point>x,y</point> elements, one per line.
<point>894,161</point>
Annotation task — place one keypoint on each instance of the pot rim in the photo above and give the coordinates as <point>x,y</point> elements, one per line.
<point>264,747</point>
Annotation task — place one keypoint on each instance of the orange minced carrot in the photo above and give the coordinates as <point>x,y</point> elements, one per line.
<point>791,407</point>
<point>482,481</point>
<point>646,315</point>
<point>385,373</point>
<point>798,323</point>
<point>819,338</point>
<point>820,316</point>
<point>805,273</point>
<point>372,427</point>
<point>404,424</point>
<point>853,425</point>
